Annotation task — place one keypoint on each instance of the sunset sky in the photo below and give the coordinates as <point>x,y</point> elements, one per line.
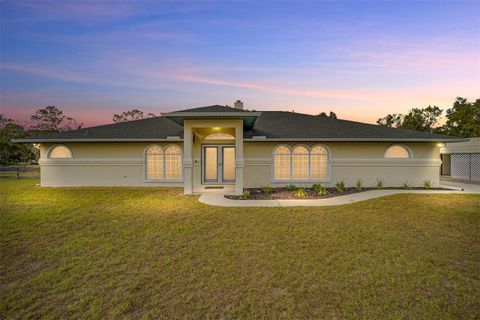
<point>360,59</point>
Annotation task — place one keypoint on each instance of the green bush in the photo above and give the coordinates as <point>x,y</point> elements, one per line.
<point>246,194</point>
<point>266,189</point>
<point>320,190</point>
<point>340,186</point>
<point>301,193</point>
<point>406,185</point>
<point>379,183</point>
<point>359,185</point>
<point>291,187</point>
<point>426,184</point>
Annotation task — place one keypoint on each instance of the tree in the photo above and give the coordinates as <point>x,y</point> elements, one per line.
<point>463,119</point>
<point>424,119</point>
<point>131,115</point>
<point>391,120</point>
<point>52,119</point>
<point>12,152</point>
<point>330,115</point>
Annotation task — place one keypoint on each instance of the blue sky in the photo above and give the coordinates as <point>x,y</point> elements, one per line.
<point>361,59</point>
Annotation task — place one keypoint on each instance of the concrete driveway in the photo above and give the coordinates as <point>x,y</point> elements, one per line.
<point>467,187</point>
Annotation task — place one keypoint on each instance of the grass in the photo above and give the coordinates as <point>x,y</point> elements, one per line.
<point>110,253</point>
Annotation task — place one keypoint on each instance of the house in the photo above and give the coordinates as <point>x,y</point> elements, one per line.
<point>226,149</point>
<point>461,160</point>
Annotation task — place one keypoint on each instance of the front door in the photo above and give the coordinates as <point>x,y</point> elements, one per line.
<point>218,165</point>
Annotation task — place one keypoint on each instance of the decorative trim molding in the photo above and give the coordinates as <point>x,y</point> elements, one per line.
<point>380,162</point>
<point>93,162</point>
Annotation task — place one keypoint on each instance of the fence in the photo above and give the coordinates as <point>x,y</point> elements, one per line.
<point>20,171</point>
<point>465,166</point>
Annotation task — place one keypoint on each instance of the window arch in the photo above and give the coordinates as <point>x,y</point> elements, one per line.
<point>173,162</point>
<point>154,162</point>
<point>60,152</point>
<point>163,164</point>
<point>397,152</point>
<point>282,163</point>
<point>300,164</point>
<point>318,163</point>
<point>219,136</point>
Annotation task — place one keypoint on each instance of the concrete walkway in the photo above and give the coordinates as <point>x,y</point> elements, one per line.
<point>221,201</point>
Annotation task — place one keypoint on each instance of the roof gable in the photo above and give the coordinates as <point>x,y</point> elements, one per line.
<point>214,108</point>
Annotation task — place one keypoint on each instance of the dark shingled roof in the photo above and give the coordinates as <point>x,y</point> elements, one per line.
<point>281,124</point>
<point>271,124</point>
<point>151,128</point>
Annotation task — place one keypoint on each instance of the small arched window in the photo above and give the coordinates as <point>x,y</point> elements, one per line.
<point>281,163</point>
<point>318,163</point>
<point>300,163</point>
<point>219,136</point>
<point>60,152</point>
<point>154,162</point>
<point>397,152</point>
<point>173,162</point>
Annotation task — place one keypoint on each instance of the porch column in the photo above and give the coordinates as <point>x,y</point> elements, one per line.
<point>187,159</point>
<point>239,159</point>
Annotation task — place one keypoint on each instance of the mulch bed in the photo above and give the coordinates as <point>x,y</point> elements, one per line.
<point>283,193</point>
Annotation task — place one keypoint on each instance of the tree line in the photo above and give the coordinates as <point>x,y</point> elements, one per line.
<point>462,119</point>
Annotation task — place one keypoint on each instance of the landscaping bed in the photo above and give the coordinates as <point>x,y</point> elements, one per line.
<point>267,193</point>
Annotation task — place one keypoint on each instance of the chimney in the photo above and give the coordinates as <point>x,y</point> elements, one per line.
<point>238,105</point>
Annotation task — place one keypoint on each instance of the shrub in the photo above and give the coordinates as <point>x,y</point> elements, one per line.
<point>406,185</point>
<point>359,185</point>
<point>320,190</point>
<point>426,184</point>
<point>340,186</point>
<point>379,183</point>
<point>301,193</point>
<point>316,186</point>
<point>266,189</point>
<point>291,187</point>
<point>246,194</point>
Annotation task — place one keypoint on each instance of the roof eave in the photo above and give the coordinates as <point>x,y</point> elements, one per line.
<point>249,118</point>
<point>52,140</point>
<point>363,139</point>
<point>33,140</point>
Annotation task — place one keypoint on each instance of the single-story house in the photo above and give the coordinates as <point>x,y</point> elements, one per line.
<point>461,160</point>
<point>230,148</point>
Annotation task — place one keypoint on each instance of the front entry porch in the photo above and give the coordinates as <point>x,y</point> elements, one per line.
<point>213,156</point>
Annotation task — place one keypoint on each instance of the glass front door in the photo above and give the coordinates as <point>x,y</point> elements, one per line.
<point>218,164</point>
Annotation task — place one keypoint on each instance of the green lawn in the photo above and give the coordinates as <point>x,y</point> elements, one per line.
<point>97,253</point>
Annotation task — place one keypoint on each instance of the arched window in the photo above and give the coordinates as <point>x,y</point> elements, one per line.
<point>60,152</point>
<point>300,163</point>
<point>281,163</point>
<point>162,164</point>
<point>154,162</point>
<point>396,152</point>
<point>173,162</point>
<point>318,163</point>
<point>219,136</point>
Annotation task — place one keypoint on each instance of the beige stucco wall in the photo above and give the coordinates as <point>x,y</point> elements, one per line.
<point>99,164</point>
<point>122,164</point>
<point>350,162</point>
